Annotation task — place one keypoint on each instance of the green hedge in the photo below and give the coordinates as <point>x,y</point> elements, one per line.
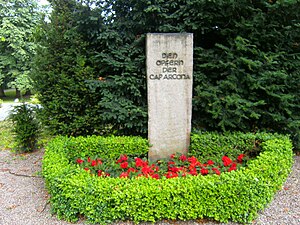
<point>213,145</point>
<point>106,147</point>
<point>235,196</point>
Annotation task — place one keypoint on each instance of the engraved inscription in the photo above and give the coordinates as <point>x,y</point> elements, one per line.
<point>169,66</point>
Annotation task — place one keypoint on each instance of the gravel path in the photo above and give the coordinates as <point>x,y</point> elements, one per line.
<point>5,109</point>
<point>23,198</point>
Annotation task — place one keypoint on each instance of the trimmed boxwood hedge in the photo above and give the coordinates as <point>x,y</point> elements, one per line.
<point>237,196</point>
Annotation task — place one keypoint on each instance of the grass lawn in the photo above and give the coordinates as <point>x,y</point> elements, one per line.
<point>6,136</point>
<point>11,96</point>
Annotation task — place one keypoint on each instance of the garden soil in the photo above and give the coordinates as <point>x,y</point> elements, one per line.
<point>24,199</point>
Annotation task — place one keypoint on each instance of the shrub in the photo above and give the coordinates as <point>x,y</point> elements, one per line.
<point>62,66</point>
<point>236,196</point>
<point>25,127</point>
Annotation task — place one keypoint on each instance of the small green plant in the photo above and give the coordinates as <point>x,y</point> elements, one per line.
<point>1,101</point>
<point>25,127</point>
<point>34,99</point>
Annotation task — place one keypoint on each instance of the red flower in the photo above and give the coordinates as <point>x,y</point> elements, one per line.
<point>216,171</point>
<point>193,172</point>
<point>124,175</point>
<point>143,168</point>
<point>155,176</point>
<point>240,158</point>
<point>171,163</point>
<point>140,163</point>
<point>147,170</point>
<point>124,165</point>
<point>131,170</point>
<point>210,162</point>
<point>79,161</point>
<point>122,158</point>
<point>155,167</point>
<point>192,159</point>
<point>204,171</point>
<point>172,156</point>
<point>183,169</point>
<point>94,163</point>
<point>193,162</point>
<point>232,167</point>
<point>171,175</point>
<point>183,158</point>
<point>226,161</point>
<point>174,169</point>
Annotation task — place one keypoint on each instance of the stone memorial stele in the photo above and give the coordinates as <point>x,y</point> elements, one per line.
<point>169,59</point>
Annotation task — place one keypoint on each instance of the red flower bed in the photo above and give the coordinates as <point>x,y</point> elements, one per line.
<point>175,166</point>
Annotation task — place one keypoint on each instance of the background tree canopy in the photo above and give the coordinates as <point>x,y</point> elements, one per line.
<point>18,21</point>
<point>90,68</point>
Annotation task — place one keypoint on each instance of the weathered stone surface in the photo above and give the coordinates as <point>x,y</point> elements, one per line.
<point>169,83</point>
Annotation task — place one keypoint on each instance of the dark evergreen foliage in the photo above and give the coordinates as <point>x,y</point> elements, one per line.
<point>246,63</point>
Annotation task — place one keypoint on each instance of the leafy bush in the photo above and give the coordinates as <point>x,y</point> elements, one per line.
<point>236,196</point>
<point>25,127</point>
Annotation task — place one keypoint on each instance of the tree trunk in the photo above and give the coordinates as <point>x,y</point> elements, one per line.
<point>27,93</point>
<point>18,93</point>
<point>2,93</point>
